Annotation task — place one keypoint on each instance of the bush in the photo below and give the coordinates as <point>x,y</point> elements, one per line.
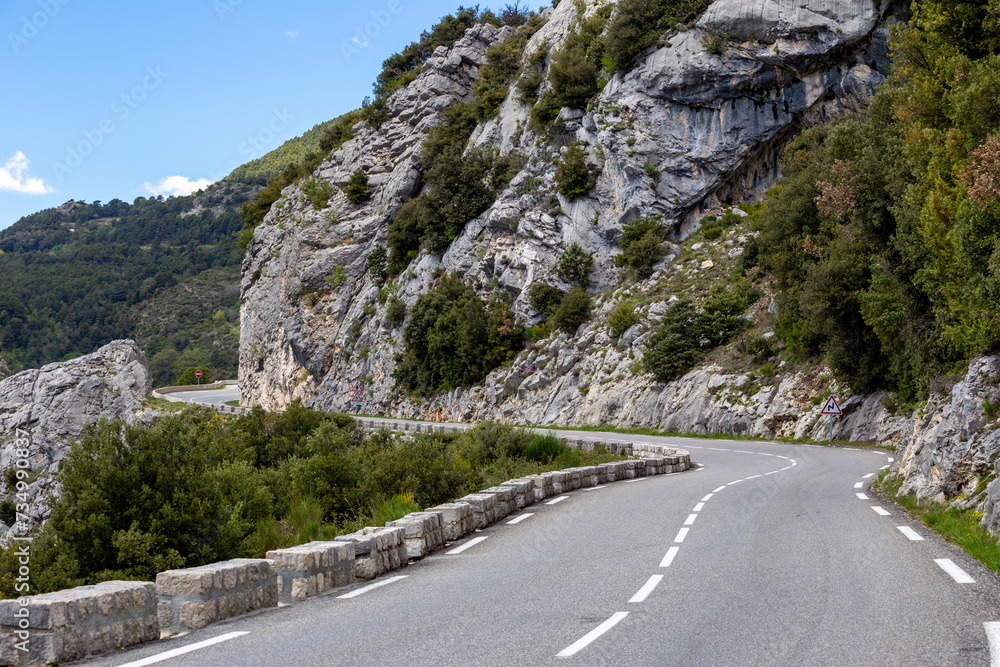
<point>575,266</point>
<point>357,189</point>
<point>377,261</point>
<point>573,175</point>
<point>395,311</point>
<point>454,340</point>
<point>533,76</point>
<point>545,449</point>
<point>642,245</point>
<point>545,298</point>
<point>622,318</point>
<point>574,79</point>
<point>503,62</point>
<point>677,344</point>
<point>545,111</point>
<point>573,311</point>
<point>317,192</point>
<point>188,376</point>
<point>637,24</point>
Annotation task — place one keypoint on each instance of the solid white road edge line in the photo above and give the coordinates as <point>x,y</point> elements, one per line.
<point>956,573</point>
<point>681,534</point>
<point>647,588</point>
<point>557,500</point>
<point>881,511</point>
<point>160,657</point>
<point>993,638</point>
<point>691,517</point>
<point>910,533</point>
<point>582,643</point>
<point>377,584</point>
<point>669,558</point>
<point>471,543</point>
<point>520,518</point>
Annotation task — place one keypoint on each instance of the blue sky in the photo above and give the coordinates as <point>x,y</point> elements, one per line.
<point>110,100</point>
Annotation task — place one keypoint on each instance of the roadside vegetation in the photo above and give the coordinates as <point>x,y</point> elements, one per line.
<point>197,488</point>
<point>961,527</point>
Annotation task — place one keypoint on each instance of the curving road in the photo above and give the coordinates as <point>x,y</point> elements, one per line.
<point>769,554</point>
<point>211,396</point>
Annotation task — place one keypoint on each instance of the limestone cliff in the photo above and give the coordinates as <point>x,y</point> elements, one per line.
<point>710,123</point>
<point>55,404</point>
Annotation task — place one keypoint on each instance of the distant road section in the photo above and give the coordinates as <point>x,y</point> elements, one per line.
<point>212,396</point>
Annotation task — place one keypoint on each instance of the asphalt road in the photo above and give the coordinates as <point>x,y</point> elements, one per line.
<point>212,396</point>
<point>766,555</point>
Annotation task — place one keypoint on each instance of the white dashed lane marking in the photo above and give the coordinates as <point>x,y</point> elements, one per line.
<point>557,500</point>
<point>647,588</point>
<point>681,534</point>
<point>468,545</point>
<point>690,520</point>
<point>380,584</point>
<point>881,511</point>
<point>160,657</point>
<point>669,558</point>
<point>861,496</point>
<point>954,571</point>
<point>699,507</point>
<point>859,485</point>
<point>588,638</point>
<point>520,519</point>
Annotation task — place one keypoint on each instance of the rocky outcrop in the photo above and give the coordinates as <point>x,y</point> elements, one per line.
<point>709,118</point>
<point>54,404</point>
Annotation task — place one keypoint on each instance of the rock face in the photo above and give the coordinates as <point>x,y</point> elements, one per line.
<point>709,120</point>
<point>54,404</point>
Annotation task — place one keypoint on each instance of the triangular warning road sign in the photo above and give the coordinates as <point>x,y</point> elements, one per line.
<point>832,408</point>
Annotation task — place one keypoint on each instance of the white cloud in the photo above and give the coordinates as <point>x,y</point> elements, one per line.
<point>291,34</point>
<point>177,185</point>
<point>13,179</point>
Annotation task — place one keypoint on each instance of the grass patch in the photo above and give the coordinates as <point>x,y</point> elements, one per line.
<point>959,527</point>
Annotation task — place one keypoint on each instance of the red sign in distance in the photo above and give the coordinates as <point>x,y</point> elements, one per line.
<point>197,374</point>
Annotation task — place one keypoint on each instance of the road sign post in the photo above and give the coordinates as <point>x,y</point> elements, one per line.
<point>832,408</point>
<point>197,374</point>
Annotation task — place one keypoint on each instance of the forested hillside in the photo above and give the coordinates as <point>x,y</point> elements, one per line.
<point>882,236</point>
<point>77,277</point>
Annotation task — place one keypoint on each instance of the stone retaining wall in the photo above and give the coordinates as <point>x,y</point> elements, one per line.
<point>195,597</point>
<point>310,569</point>
<point>78,623</point>
<point>377,551</point>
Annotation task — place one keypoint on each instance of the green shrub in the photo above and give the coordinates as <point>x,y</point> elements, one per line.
<point>712,233</point>
<point>376,112</point>
<point>317,192</point>
<point>545,111</point>
<point>545,298</point>
<point>8,511</point>
<point>573,311</point>
<point>545,449</point>
<point>575,266</point>
<point>622,318</point>
<point>574,79</point>
<point>533,76</point>
<point>337,278</point>
<point>453,339</point>
<point>377,259</point>
<point>637,24</point>
<point>357,189</point>
<point>573,175</point>
<point>677,344</point>
<point>395,311</point>
<point>188,376</point>
<point>503,62</point>
<point>642,245</point>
